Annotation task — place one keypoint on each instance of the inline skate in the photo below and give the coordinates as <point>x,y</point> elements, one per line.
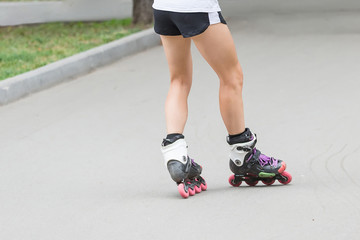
<point>250,165</point>
<point>183,170</point>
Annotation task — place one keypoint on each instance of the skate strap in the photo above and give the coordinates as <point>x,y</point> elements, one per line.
<point>262,158</point>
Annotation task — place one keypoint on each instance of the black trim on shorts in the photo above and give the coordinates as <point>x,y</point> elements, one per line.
<point>186,24</point>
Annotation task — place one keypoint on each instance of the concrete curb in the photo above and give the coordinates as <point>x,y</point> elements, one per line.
<point>24,84</point>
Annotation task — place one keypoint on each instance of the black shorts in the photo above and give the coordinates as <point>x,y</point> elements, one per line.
<point>185,24</point>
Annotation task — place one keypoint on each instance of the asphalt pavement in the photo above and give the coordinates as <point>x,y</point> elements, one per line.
<point>82,160</point>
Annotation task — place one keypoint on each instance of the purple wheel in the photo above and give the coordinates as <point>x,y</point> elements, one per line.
<point>182,191</point>
<point>251,181</point>
<point>286,178</point>
<point>268,181</point>
<point>232,181</point>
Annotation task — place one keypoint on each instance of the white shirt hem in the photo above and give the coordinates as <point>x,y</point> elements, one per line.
<point>209,10</point>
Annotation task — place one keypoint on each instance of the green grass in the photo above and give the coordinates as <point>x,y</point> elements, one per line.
<point>25,48</point>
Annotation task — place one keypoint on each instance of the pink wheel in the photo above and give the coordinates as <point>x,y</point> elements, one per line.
<point>250,181</point>
<point>282,168</point>
<point>268,181</point>
<point>197,189</point>
<point>203,186</point>
<point>286,178</point>
<point>182,191</point>
<point>232,183</point>
<point>191,192</point>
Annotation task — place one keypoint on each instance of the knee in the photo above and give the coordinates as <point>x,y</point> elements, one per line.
<point>181,82</point>
<point>233,79</point>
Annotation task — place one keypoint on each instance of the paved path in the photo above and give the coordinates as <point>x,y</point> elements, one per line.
<point>82,160</point>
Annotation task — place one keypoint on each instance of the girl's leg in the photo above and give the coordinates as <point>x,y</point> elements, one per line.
<point>183,170</point>
<point>178,54</point>
<point>217,47</point>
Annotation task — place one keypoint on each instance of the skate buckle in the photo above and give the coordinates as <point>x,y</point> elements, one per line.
<point>238,162</point>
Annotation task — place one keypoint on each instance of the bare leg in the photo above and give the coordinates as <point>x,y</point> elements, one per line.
<point>178,54</point>
<point>217,47</point>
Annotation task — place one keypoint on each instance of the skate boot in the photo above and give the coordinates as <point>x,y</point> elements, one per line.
<point>183,170</point>
<point>250,165</point>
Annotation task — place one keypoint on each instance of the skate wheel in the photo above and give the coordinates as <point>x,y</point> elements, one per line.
<point>232,181</point>
<point>183,193</point>
<point>282,168</point>
<point>191,191</point>
<point>285,178</point>
<point>203,186</point>
<point>250,181</point>
<point>268,181</point>
<point>197,189</point>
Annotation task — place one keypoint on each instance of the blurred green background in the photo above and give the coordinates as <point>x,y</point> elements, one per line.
<point>23,48</point>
